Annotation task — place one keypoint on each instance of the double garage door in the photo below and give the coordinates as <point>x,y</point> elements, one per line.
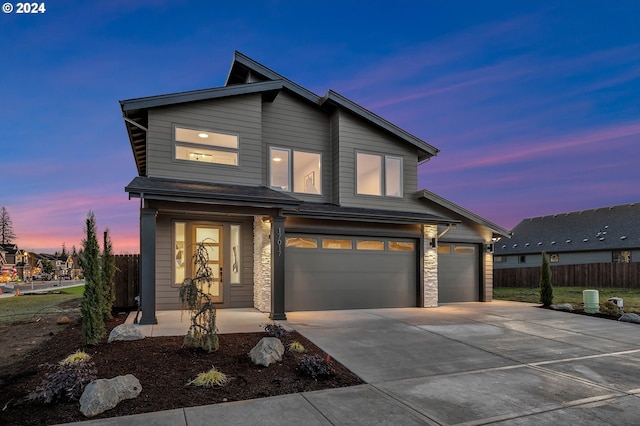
<point>325,272</point>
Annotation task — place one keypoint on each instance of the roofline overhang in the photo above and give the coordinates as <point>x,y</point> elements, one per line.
<point>495,229</point>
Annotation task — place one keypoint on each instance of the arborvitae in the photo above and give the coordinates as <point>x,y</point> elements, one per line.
<point>108,275</point>
<point>93,300</point>
<point>546,289</point>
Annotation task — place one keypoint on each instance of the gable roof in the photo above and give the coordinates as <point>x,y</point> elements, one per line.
<point>495,229</point>
<point>247,76</point>
<point>606,228</point>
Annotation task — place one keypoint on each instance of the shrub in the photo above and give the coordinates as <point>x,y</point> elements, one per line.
<point>65,380</point>
<point>275,330</point>
<point>315,366</point>
<point>296,346</point>
<point>546,289</point>
<point>210,379</point>
<point>609,308</point>
<point>75,358</point>
<point>92,307</point>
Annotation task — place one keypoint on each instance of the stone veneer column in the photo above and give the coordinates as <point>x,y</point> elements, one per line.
<point>430,265</point>
<point>261,264</point>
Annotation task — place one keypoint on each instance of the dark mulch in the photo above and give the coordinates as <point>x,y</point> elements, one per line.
<point>163,367</point>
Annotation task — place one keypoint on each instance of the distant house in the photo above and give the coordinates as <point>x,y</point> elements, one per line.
<point>601,236</point>
<point>303,202</point>
<point>10,253</point>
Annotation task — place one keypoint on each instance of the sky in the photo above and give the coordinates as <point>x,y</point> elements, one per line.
<point>534,105</point>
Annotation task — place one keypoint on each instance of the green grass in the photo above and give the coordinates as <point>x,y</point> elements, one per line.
<point>20,308</point>
<point>573,295</point>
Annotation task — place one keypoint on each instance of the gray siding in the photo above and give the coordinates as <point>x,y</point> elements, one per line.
<point>535,259</point>
<point>290,123</point>
<point>239,115</point>
<point>234,295</point>
<point>354,135</point>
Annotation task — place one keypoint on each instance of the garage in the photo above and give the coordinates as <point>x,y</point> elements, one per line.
<point>324,272</point>
<point>458,272</point>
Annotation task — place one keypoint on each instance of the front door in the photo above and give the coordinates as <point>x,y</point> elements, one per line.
<point>211,237</point>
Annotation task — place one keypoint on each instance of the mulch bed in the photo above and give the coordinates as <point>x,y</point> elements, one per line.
<point>163,367</point>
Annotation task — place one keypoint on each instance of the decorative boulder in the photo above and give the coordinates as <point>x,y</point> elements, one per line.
<point>634,318</point>
<point>267,351</point>
<point>63,320</point>
<point>125,332</point>
<point>103,394</point>
<point>567,307</point>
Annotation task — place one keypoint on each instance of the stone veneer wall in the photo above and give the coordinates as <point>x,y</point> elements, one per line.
<point>261,264</point>
<point>430,265</point>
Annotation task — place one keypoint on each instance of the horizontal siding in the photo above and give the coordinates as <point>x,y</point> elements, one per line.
<point>234,295</point>
<point>290,123</point>
<point>239,115</point>
<point>355,135</point>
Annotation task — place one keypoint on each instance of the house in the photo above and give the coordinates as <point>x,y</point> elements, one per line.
<point>303,202</point>
<point>607,236</point>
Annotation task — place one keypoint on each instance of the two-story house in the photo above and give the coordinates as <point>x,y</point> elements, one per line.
<point>304,202</point>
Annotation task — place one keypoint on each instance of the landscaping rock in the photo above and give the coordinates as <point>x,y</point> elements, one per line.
<point>267,351</point>
<point>634,318</point>
<point>104,394</point>
<point>63,320</point>
<point>125,332</point>
<point>567,307</point>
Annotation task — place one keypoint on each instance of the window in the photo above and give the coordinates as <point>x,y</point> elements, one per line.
<point>180,255</point>
<point>235,254</point>
<point>370,245</point>
<point>522,259</point>
<point>299,242</point>
<point>206,147</point>
<point>444,249</point>
<point>401,246</point>
<point>554,258</point>
<point>499,259</point>
<point>621,256</point>
<point>336,244</point>
<point>378,175</point>
<point>304,171</point>
<point>464,249</point>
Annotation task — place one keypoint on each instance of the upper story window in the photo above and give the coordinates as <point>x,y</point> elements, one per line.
<point>378,175</point>
<point>299,170</point>
<point>206,147</point>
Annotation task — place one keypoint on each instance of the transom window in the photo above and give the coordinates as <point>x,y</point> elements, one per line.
<point>298,169</point>
<point>378,175</point>
<point>206,147</point>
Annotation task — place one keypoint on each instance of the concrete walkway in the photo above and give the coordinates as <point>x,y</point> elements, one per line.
<point>500,363</point>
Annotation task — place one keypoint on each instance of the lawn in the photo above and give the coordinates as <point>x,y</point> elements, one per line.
<point>573,295</point>
<point>26,306</point>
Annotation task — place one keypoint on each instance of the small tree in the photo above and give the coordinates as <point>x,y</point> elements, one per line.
<point>203,332</point>
<point>93,300</point>
<point>108,275</point>
<point>7,236</point>
<point>546,289</point>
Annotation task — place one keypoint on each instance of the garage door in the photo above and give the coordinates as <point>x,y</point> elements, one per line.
<point>458,273</point>
<point>346,272</point>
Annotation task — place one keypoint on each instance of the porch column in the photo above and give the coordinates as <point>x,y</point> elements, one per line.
<point>148,265</point>
<point>277,269</point>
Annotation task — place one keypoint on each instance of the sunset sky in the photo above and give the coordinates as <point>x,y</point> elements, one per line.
<point>535,106</point>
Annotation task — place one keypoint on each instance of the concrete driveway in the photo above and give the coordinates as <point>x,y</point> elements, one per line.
<point>478,363</point>
<point>500,363</point>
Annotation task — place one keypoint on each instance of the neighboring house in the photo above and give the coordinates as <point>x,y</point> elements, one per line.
<point>303,202</point>
<point>10,253</point>
<point>598,236</point>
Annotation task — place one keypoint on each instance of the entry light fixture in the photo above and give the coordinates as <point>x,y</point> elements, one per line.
<point>433,243</point>
<point>490,247</point>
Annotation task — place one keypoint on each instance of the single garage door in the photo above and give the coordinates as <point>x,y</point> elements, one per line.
<point>458,273</point>
<point>347,272</point>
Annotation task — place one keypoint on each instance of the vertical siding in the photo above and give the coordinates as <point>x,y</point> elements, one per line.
<point>239,115</point>
<point>291,123</point>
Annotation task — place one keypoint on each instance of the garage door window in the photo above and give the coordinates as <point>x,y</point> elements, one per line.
<point>444,249</point>
<point>401,246</point>
<point>303,243</point>
<point>337,244</point>
<point>370,245</point>
<point>464,250</point>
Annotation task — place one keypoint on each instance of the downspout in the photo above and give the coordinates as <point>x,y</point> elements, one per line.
<point>449,228</point>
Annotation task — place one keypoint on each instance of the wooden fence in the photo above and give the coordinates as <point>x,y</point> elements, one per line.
<point>127,280</point>
<point>598,275</point>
